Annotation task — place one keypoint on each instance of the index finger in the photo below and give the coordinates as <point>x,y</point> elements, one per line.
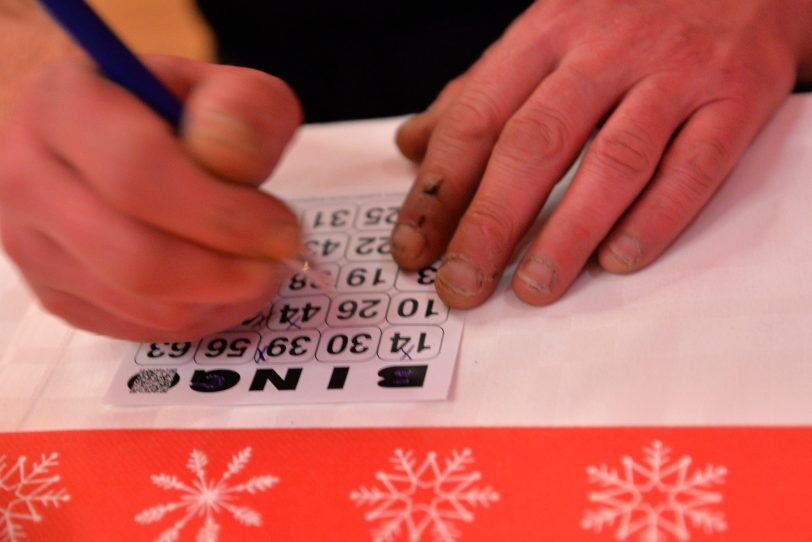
<point>461,142</point>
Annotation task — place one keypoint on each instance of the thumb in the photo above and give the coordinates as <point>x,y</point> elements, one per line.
<point>238,121</point>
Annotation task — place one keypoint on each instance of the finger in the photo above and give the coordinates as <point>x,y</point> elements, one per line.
<point>30,249</point>
<point>704,153</point>
<point>462,140</point>
<point>122,252</point>
<point>237,123</point>
<point>83,314</point>
<point>45,263</point>
<point>615,169</point>
<point>412,137</point>
<point>132,159</point>
<point>535,149</point>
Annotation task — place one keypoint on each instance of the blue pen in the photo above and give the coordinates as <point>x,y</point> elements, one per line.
<point>114,59</point>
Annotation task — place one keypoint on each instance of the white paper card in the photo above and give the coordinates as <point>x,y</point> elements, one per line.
<point>372,333</point>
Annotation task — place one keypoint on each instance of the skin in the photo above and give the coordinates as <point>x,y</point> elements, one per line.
<point>123,228</point>
<point>28,40</point>
<point>677,90</point>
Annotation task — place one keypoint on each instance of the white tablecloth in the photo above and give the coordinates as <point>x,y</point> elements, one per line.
<point>717,332</point>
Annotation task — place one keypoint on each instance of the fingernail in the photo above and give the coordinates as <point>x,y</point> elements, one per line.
<point>460,276</point>
<point>538,274</point>
<point>407,240</point>
<point>219,128</point>
<point>626,249</point>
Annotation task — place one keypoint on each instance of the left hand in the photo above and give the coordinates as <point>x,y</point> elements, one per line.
<point>681,87</point>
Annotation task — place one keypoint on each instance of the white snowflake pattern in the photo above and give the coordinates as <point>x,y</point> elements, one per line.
<point>206,498</point>
<point>22,490</point>
<point>655,499</point>
<point>415,497</point>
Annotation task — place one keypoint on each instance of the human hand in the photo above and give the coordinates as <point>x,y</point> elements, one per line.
<point>28,40</point>
<point>125,229</point>
<point>683,86</point>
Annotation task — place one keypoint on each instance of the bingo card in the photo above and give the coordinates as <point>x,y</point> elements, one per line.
<point>363,330</point>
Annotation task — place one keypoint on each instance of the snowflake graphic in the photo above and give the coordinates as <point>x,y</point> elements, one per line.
<point>205,499</point>
<point>21,491</point>
<point>415,497</point>
<point>657,499</point>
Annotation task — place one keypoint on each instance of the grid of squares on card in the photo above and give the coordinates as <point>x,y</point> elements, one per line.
<point>356,305</point>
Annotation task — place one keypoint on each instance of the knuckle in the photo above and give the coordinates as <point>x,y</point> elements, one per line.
<point>540,133</point>
<point>475,116</point>
<point>703,168</point>
<point>672,207</point>
<point>629,154</point>
<point>690,47</point>
<point>493,221</point>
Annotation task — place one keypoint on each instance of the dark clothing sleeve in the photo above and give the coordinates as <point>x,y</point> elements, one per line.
<point>359,58</point>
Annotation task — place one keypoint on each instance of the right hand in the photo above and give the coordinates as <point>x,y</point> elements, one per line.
<point>123,228</point>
